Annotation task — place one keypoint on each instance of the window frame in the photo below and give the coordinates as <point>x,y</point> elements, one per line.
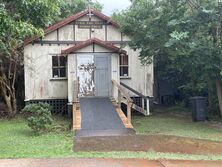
<point>124,66</point>
<point>59,67</point>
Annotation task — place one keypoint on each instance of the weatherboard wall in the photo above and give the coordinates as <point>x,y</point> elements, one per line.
<point>39,83</point>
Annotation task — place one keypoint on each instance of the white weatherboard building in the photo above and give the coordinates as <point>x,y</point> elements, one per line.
<point>79,57</point>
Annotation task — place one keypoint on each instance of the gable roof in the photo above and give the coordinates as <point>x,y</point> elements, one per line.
<point>83,44</point>
<point>71,19</point>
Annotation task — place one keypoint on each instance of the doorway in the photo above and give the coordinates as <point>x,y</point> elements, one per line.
<point>94,75</point>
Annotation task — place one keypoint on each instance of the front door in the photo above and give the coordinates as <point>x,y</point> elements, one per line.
<point>94,75</point>
<point>102,75</point>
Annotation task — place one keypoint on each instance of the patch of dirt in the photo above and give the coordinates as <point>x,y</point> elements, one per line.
<point>158,143</point>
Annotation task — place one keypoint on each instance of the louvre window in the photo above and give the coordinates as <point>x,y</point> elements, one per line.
<point>59,66</point>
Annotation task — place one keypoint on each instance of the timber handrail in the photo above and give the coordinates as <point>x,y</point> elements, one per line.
<point>145,100</point>
<point>134,91</point>
<point>122,92</point>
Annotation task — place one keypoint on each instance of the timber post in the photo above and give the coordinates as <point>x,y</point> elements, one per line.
<point>129,111</point>
<point>123,93</point>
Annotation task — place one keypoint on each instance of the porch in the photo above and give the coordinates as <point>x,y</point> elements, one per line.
<point>95,91</point>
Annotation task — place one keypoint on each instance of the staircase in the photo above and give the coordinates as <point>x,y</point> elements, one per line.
<point>142,105</point>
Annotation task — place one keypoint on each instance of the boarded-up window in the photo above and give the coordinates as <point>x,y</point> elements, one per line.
<point>58,66</point>
<point>124,65</point>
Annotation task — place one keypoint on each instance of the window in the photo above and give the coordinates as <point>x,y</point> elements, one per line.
<point>124,65</point>
<point>58,66</point>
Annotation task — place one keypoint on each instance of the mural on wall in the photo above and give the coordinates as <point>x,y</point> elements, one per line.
<point>85,74</point>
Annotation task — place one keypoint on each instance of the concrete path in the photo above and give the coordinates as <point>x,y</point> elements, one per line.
<point>72,162</point>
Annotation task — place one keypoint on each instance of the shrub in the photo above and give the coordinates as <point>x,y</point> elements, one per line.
<point>39,117</point>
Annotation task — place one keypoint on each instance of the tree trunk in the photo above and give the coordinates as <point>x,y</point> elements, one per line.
<point>9,100</point>
<point>7,90</point>
<point>219,94</point>
<point>9,106</point>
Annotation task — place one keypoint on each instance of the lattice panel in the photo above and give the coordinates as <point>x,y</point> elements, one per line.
<point>58,105</point>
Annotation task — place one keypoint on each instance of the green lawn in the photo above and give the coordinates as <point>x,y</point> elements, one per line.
<point>18,141</point>
<point>177,124</point>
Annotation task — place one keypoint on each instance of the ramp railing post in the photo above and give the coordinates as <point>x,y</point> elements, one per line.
<point>125,95</point>
<point>129,111</point>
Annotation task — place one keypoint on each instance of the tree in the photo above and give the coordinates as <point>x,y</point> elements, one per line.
<point>20,19</point>
<point>69,7</point>
<point>182,35</point>
<point>11,34</point>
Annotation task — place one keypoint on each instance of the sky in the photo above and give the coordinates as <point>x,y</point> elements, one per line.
<point>111,5</point>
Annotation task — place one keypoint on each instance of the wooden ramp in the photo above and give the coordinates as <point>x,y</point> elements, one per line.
<point>99,117</point>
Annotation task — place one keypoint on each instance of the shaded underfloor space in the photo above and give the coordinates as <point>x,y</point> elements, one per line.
<point>158,143</point>
<point>99,118</point>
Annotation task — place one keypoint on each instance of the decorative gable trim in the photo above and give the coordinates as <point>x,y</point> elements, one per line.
<point>71,19</point>
<point>99,42</point>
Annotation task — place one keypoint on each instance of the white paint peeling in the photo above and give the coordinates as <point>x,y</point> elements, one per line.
<point>85,74</point>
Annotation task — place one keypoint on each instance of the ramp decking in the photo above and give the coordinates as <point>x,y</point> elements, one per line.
<point>99,117</point>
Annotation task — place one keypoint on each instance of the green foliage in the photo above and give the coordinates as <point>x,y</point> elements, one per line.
<point>182,37</point>
<point>13,32</point>
<point>40,117</point>
<point>20,19</point>
<point>39,13</point>
<point>69,7</point>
